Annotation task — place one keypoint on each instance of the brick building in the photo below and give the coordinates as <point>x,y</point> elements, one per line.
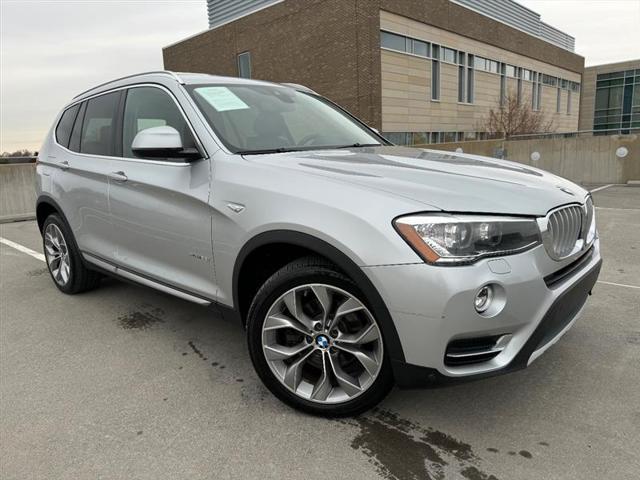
<point>422,71</point>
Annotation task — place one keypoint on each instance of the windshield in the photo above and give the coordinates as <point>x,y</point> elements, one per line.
<point>261,119</point>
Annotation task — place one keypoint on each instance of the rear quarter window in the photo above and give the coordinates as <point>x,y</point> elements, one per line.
<point>65,125</point>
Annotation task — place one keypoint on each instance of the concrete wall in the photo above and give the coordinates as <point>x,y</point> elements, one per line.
<point>17,191</point>
<point>584,160</point>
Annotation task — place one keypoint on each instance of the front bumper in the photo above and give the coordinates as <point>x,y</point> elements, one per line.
<point>432,306</point>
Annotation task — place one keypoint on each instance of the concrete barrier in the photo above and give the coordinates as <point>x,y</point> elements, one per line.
<point>584,160</point>
<point>17,192</point>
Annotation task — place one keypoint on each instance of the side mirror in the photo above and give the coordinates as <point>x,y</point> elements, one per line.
<point>162,142</point>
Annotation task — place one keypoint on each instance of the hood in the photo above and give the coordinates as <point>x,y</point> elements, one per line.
<point>442,180</point>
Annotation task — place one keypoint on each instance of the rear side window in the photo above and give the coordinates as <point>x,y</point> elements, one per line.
<point>98,127</point>
<point>74,142</point>
<point>63,130</point>
<point>148,107</point>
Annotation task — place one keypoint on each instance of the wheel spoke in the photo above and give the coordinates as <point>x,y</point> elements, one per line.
<point>293,373</point>
<point>346,381</point>
<point>280,320</point>
<point>368,334</point>
<point>322,294</point>
<point>348,306</point>
<point>281,352</point>
<point>366,359</point>
<point>292,301</point>
<point>323,387</point>
<point>64,271</point>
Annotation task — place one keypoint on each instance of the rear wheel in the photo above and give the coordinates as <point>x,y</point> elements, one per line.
<point>63,258</point>
<point>314,342</point>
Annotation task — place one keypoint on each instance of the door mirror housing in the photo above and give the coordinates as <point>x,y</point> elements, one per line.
<point>162,142</point>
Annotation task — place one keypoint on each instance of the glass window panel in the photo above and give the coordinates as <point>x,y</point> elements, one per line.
<point>393,41</point>
<point>435,80</point>
<point>244,65</point>
<point>97,130</point>
<point>510,71</point>
<point>63,130</point>
<point>448,55</point>
<point>420,48</point>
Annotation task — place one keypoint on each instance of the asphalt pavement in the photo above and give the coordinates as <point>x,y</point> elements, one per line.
<point>128,383</point>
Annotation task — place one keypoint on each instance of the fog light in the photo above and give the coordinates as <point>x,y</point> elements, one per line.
<point>483,299</point>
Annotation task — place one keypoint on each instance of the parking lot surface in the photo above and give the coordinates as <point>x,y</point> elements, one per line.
<point>126,382</point>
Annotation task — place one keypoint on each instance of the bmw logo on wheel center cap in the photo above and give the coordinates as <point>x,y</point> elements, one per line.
<point>322,341</point>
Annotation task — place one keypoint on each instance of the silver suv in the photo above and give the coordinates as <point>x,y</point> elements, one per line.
<point>353,264</point>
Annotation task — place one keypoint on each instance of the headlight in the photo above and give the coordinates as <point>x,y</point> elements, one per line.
<point>462,239</point>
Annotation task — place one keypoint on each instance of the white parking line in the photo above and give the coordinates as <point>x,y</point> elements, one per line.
<point>619,284</point>
<point>602,188</point>
<point>22,249</point>
<point>40,257</point>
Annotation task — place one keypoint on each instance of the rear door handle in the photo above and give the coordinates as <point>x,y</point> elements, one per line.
<point>64,165</point>
<point>118,176</point>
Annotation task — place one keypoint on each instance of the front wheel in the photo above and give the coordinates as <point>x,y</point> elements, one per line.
<point>315,344</point>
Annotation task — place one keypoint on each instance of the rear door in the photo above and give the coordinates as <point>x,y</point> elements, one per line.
<point>81,182</point>
<point>162,220</point>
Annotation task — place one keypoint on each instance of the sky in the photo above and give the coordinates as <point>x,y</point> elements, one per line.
<point>51,50</point>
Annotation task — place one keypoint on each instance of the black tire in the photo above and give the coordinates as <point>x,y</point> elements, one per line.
<point>309,270</point>
<point>81,279</point>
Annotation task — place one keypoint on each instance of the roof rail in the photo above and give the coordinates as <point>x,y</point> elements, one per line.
<point>161,72</point>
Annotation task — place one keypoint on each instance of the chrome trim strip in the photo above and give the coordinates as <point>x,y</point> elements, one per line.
<point>109,267</point>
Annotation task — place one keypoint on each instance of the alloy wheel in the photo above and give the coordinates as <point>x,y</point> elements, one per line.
<point>57,254</point>
<point>322,343</point>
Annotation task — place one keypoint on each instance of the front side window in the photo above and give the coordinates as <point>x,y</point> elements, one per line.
<point>257,118</point>
<point>98,128</point>
<point>148,107</point>
<point>63,130</point>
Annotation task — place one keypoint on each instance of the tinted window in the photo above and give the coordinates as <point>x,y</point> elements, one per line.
<point>63,130</point>
<point>74,143</point>
<point>98,128</point>
<point>148,107</point>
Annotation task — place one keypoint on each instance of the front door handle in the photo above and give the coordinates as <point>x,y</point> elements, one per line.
<point>118,176</point>
<point>64,165</point>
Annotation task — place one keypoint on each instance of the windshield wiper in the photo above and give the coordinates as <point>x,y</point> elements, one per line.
<point>268,150</point>
<point>357,145</point>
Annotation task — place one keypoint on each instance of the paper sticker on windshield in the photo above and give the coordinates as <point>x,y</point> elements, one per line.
<point>221,98</point>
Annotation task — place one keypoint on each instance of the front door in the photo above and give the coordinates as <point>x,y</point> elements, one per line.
<point>159,209</point>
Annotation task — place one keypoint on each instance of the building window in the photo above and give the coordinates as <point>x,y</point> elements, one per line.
<point>617,101</point>
<point>519,87</point>
<point>470,79</point>
<point>559,100</point>
<point>448,55</point>
<point>244,65</point>
<point>503,84</point>
<point>420,48</point>
<point>435,74</point>
<point>393,41</point>
<point>510,71</point>
<point>569,102</point>
<point>462,84</point>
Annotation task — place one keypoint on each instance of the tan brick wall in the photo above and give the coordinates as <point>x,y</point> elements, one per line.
<point>333,47</point>
<point>406,84</point>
